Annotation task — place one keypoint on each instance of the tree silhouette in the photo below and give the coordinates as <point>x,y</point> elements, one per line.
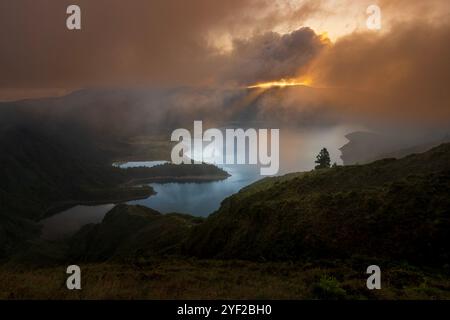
<point>323,159</point>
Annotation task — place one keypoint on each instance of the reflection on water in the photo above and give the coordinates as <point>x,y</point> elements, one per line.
<point>298,150</point>
<point>70,221</point>
<point>199,199</point>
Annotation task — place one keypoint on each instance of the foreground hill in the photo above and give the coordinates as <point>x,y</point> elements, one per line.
<point>300,236</point>
<point>396,209</point>
<point>131,232</point>
<point>391,209</point>
<point>181,278</point>
<point>42,173</point>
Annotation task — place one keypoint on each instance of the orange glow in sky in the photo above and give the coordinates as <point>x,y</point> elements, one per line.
<point>281,84</point>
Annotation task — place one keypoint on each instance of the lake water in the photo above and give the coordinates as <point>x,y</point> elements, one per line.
<point>70,221</point>
<point>297,153</point>
<point>199,199</point>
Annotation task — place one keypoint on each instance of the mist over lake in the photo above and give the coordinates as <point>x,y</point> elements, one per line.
<point>298,149</point>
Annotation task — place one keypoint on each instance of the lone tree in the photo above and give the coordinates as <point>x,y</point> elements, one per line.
<point>323,159</point>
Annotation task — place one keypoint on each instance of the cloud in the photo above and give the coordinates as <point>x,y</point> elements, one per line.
<point>402,70</point>
<point>271,56</point>
<point>121,42</point>
<point>126,43</point>
<point>405,72</point>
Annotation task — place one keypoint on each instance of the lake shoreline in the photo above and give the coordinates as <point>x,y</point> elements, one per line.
<point>66,205</point>
<point>178,179</point>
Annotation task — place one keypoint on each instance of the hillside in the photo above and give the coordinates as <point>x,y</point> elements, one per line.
<point>42,174</point>
<point>40,169</point>
<point>389,209</point>
<point>131,232</point>
<point>303,235</point>
<point>397,209</point>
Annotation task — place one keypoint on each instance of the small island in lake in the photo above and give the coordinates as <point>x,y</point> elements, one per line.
<point>169,172</point>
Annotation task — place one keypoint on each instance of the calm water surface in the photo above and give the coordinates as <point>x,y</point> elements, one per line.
<point>297,153</point>
<point>199,199</point>
<point>70,221</point>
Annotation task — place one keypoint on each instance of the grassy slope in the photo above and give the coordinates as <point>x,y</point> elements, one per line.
<point>327,227</point>
<point>395,209</point>
<point>130,233</point>
<point>175,278</point>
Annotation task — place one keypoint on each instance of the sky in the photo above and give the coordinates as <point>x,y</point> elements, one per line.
<point>403,68</point>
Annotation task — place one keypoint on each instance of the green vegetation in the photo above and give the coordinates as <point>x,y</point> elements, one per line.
<point>186,278</point>
<point>300,236</point>
<point>43,173</point>
<point>323,160</point>
<point>393,209</point>
<point>169,172</point>
<point>40,171</point>
<point>130,233</point>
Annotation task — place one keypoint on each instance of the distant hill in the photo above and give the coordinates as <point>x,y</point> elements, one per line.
<point>366,147</point>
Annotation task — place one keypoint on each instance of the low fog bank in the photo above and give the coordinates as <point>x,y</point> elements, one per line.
<point>307,121</point>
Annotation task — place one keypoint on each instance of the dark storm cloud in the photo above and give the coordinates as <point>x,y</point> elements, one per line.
<point>403,70</point>
<point>272,56</point>
<point>163,42</point>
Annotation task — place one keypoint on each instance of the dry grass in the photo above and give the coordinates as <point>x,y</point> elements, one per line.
<point>209,279</point>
